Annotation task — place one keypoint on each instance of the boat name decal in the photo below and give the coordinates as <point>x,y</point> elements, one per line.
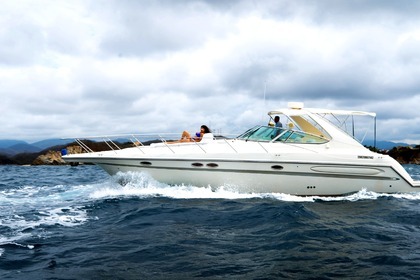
<point>365,157</point>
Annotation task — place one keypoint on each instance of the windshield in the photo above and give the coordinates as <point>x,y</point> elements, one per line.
<point>276,134</point>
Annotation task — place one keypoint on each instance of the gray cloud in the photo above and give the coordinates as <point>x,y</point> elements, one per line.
<point>89,67</point>
<point>157,27</point>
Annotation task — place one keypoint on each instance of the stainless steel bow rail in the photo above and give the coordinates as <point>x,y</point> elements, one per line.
<point>112,141</point>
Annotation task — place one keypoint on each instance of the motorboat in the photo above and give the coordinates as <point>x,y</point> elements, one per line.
<point>309,155</point>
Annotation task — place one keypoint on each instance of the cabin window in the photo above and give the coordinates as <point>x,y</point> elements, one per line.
<point>307,124</point>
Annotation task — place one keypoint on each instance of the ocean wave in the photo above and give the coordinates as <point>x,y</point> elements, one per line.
<point>28,210</point>
<point>89,223</point>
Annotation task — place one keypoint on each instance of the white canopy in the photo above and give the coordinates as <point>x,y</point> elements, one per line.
<point>320,111</point>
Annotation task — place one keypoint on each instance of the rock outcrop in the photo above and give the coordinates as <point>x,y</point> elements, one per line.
<point>406,155</point>
<point>50,158</point>
<point>54,157</point>
<point>74,149</point>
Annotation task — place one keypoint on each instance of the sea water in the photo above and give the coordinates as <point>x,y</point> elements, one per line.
<point>62,222</point>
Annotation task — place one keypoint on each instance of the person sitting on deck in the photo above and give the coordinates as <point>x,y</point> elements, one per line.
<point>186,136</point>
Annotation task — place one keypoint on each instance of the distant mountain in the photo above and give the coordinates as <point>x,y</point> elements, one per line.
<point>384,145</point>
<point>19,148</point>
<point>14,147</point>
<point>24,148</point>
<point>51,142</point>
<point>10,142</point>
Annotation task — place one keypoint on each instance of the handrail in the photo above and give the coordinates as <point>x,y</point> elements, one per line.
<point>137,140</point>
<point>230,146</point>
<point>199,146</point>
<point>134,139</point>
<point>137,145</point>
<point>259,143</point>
<point>166,143</point>
<point>115,145</point>
<point>280,135</point>
<point>117,136</point>
<point>84,146</point>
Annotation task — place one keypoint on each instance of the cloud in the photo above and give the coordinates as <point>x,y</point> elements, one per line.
<point>89,67</point>
<point>143,28</point>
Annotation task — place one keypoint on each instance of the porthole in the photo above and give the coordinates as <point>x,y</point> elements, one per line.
<point>277,167</point>
<point>145,163</point>
<point>212,165</point>
<point>197,164</point>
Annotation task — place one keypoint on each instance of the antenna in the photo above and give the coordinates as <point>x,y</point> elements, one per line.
<point>265,89</point>
<point>264,102</point>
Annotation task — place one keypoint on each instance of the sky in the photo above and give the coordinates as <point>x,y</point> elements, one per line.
<point>86,68</point>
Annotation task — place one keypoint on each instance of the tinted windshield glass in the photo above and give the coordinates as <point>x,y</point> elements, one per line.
<point>269,133</point>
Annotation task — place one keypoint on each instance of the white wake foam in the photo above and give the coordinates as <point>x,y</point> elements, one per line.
<point>133,184</point>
